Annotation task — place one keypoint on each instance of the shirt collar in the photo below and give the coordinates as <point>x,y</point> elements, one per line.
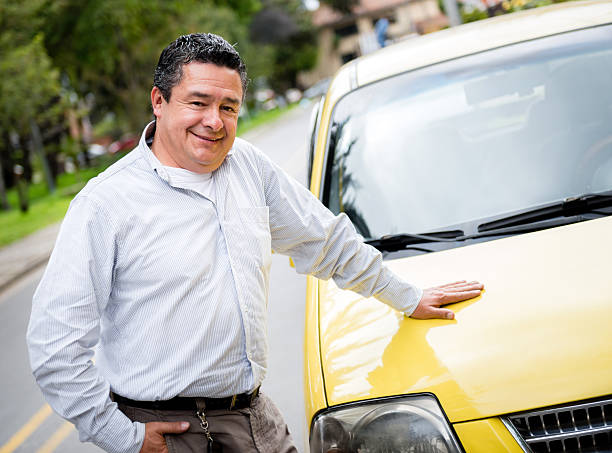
<point>145,149</point>
<point>144,146</point>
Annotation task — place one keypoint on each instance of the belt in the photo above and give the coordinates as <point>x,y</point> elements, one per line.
<point>240,401</point>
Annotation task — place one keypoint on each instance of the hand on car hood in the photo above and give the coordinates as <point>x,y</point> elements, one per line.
<point>539,335</point>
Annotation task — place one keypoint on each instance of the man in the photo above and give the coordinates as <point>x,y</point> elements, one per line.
<point>163,262</point>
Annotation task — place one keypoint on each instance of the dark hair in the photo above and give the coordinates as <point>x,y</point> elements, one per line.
<point>199,47</point>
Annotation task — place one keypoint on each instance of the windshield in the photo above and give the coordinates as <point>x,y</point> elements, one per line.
<point>483,135</point>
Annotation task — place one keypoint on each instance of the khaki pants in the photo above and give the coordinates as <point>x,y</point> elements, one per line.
<point>258,429</point>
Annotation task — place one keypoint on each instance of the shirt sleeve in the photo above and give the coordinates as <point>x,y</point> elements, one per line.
<point>328,246</point>
<point>65,324</point>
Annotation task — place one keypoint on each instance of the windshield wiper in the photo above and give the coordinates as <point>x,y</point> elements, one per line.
<point>393,242</point>
<point>569,207</point>
<point>569,210</point>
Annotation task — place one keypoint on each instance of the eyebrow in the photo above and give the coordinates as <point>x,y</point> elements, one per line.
<point>201,95</point>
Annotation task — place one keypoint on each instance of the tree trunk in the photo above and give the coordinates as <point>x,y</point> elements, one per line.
<point>38,148</point>
<point>22,188</point>
<point>3,200</point>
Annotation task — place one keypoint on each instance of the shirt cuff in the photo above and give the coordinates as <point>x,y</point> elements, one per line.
<point>121,437</point>
<point>401,295</point>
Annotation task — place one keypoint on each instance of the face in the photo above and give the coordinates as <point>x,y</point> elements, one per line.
<point>196,129</point>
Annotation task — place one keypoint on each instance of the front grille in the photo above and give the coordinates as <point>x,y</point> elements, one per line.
<point>577,427</point>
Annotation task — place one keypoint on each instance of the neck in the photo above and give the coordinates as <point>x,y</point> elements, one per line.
<point>164,157</point>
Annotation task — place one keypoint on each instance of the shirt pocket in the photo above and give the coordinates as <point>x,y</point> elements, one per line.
<point>250,230</point>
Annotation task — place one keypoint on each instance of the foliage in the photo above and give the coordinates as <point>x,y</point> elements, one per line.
<point>272,25</point>
<point>472,15</point>
<point>31,96</point>
<point>30,87</point>
<point>67,64</point>
<point>469,13</point>
<point>287,26</point>
<point>14,224</point>
<point>110,47</point>
<point>299,53</point>
<point>244,9</point>
<point>44,209</point>
<point>517,5</point>
<point>106,47</point>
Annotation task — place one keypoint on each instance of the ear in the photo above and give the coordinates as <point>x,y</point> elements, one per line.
<point>157,100</point>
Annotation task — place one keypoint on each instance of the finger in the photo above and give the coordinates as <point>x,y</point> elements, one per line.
<point>170,427</point>
<point>450,298</point>
<point>447,285</point>
<point>464,287</point>
<point>441,313</point>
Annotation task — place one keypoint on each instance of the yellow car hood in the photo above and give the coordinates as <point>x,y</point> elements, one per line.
<point>540,334</point>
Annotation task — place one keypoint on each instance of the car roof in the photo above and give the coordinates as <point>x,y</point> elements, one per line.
<point>468,39</point>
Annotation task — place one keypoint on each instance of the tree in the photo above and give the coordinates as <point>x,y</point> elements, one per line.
<point>106,47</point>
<point>31,96</point>
<point>244,9</point>
<point>110,47</point>
<point>273,25</point>
<point>286,26</point>
<point>16,30</point>
<point>58,53</point>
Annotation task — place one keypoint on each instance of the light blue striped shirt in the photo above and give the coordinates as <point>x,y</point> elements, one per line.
<point>169,281</point>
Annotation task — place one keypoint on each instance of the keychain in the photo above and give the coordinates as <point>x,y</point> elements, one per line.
<point>204,425</point>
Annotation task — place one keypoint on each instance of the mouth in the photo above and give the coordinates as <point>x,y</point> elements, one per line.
<point>207,138</point>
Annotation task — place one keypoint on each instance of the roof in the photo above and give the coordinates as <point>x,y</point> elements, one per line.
<point>326,15</point>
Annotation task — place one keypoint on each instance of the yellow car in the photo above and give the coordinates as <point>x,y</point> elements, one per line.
<point>482,152</point>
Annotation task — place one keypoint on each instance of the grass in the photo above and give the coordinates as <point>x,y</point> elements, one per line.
<point>15,224</point>
<point>66,183</point>
<point>46,208</point>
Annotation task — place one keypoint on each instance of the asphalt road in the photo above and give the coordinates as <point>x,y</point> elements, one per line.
<point>27,424</point>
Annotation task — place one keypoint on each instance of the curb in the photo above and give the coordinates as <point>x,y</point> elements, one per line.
<point>5,283</point>
<point>24,255</point>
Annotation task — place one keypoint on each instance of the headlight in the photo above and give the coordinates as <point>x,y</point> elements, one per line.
<point>413,424</point>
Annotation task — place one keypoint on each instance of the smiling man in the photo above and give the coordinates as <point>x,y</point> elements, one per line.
<point>197,119</point>
<point>163,262</point>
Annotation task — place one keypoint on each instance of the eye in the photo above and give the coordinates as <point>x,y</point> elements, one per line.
<point>197,104</point>
<point>229,108</point>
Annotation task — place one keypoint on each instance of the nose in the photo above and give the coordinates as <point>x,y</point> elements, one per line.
<point>212,119</point>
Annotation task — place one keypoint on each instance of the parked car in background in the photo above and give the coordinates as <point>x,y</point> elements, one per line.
<point>481,152</point>
<point>96,150</point>
<point>125,143</point>
<point>318,89</point>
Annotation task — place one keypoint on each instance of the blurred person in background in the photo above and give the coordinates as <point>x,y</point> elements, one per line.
<point>381,27</point>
